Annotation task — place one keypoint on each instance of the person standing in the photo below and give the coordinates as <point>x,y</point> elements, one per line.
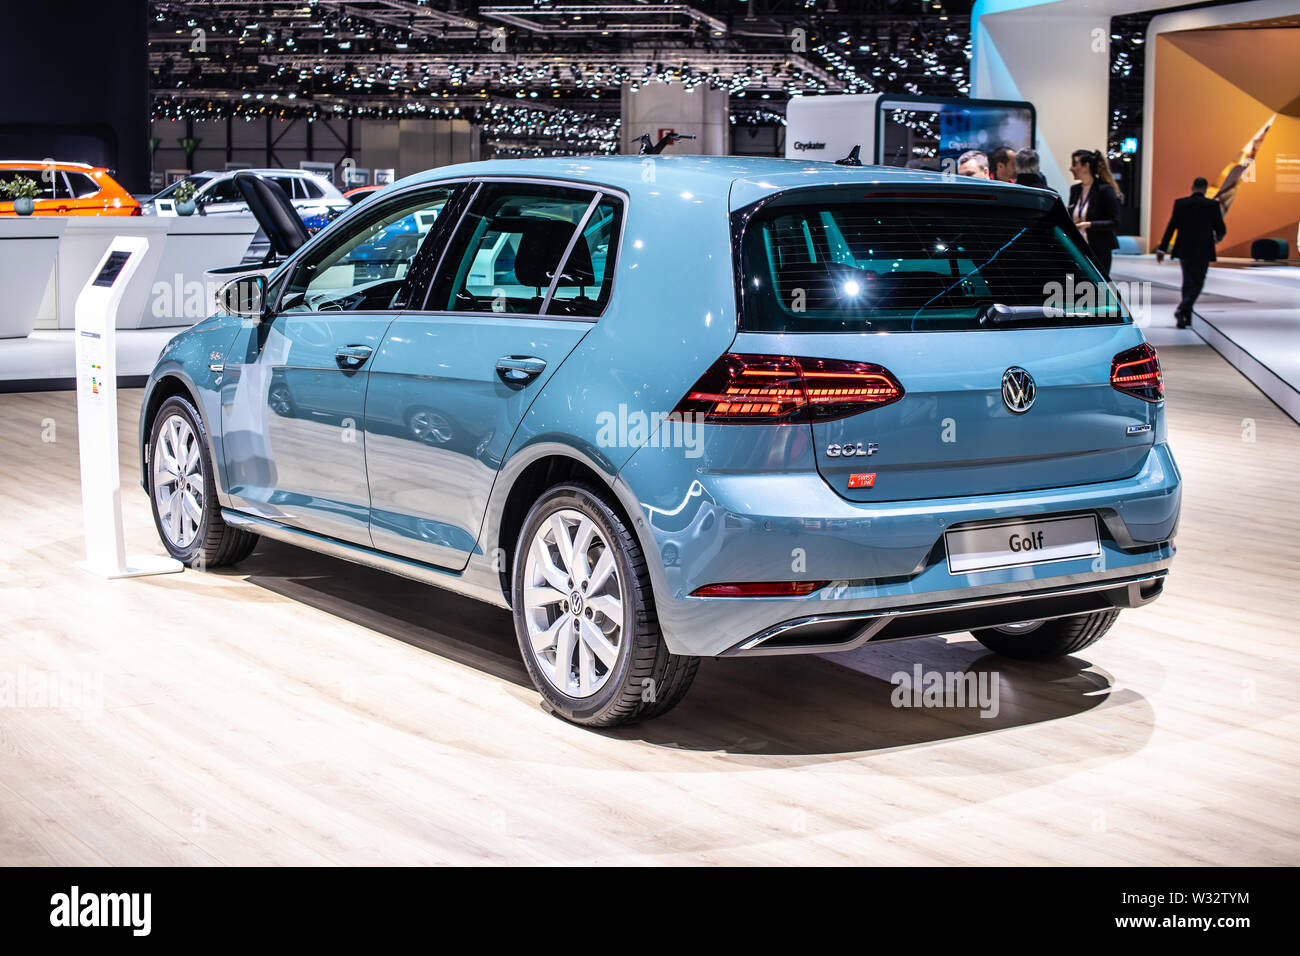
<point>1027,173</point>
<point>973,163</point>
<point>1195,225</point>
<point>1094,204</point>
<point>1002,164</point>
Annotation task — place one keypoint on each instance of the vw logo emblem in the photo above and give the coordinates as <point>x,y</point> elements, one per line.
<point>1018,390</point>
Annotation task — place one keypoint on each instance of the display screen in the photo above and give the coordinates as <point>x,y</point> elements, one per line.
<point>984,128</point>
<point>925,132</point>
<point>112,268</point>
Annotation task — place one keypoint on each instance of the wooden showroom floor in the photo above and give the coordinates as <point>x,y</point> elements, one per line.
<point>303,710</point>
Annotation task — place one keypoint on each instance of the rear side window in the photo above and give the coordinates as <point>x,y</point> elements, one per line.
<point>588,273</point>
<point>894,265</point>
<point>517,240</point>
<point>82,186</point>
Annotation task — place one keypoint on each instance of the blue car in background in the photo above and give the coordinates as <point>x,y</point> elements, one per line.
<point>667,408</point>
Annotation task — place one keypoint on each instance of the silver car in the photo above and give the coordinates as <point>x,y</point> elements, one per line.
<point>311,195</point>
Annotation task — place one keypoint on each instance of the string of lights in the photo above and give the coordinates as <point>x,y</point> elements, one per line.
<point>321,59</point>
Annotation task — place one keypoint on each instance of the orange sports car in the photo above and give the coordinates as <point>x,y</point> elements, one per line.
<point>69,189</point>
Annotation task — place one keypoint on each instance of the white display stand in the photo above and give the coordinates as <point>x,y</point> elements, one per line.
<point>101,486</point>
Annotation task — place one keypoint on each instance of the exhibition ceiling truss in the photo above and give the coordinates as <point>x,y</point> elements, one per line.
<point>539,71</point>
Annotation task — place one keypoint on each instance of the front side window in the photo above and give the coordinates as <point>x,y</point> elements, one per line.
<point>199,182</point>
<point>893,265</point>
<point>511,248</point>
<point>365,267</point>
<point>223,190</point>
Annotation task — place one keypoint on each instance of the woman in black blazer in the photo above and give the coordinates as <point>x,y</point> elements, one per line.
<point>1094,203</point>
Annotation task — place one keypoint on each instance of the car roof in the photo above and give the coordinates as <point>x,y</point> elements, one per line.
<point>264,171</point>
<point>58,164</point>
<point>744,178</point>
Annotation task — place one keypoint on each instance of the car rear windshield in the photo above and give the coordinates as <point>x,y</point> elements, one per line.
<point>902,265</point>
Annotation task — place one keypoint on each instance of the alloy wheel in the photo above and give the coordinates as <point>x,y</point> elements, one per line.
<point>1024,627</point>
<point>573,603</point>
<point>178,482</point>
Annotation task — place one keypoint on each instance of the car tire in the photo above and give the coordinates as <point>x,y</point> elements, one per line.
<point>1045,640</point>
<point>195,536</point>
<point>641,678</point>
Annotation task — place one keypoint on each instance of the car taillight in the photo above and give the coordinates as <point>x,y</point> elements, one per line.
<point>137,211</point>
<point>770,389</point>
<point>760,589</point>
<point>1137,372</point>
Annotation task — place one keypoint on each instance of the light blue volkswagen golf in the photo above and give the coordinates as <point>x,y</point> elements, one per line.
<point>666,408</point>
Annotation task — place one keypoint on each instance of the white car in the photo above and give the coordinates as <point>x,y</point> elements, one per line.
<point>311,195</point>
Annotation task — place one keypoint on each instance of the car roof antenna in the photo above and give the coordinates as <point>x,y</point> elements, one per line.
<point>668,139</point>
<point>853,159</point>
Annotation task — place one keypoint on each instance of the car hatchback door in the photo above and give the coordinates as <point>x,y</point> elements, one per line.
<point>294,392</point>
<point>527,273</point>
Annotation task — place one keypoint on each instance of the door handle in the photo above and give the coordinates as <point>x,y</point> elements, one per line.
<point>352,356</point>
<point>517,369</point>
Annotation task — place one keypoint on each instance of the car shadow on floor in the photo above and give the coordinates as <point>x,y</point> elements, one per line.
<point>789,705</point>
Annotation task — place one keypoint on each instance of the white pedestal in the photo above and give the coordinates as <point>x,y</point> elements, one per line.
<point>101,486</point>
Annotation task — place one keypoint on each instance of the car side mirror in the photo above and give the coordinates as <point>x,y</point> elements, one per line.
<point>244,297</point>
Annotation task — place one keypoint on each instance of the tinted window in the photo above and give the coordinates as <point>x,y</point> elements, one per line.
<point>509,248</point>
<point>35,175</point>
<point>588,273</point>
<point>895,266</point>
<point>310,188</point>
<point>83,187</point>
<point>366,265</point>
<point>223,190</point>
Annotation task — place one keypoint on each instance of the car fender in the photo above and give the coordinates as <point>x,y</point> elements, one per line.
<point>195,359</point>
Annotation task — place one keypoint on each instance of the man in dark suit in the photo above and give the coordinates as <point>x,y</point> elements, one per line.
<point>1198,222</point>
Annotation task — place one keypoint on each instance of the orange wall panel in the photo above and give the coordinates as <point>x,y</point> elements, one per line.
<point>1201,122</point>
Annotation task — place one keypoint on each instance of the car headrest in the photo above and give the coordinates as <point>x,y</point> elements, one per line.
<point>541,244</point>
<point>578,270</point>
<point>274,213</point>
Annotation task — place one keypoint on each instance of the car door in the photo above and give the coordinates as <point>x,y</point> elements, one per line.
<point>294,387</point>
<point>453,380</point>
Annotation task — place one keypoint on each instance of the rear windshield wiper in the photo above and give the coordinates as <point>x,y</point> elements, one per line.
<point>999,314</point>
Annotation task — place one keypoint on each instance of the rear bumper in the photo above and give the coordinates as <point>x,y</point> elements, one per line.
<point>886,562</point>
<point>842,632</point>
